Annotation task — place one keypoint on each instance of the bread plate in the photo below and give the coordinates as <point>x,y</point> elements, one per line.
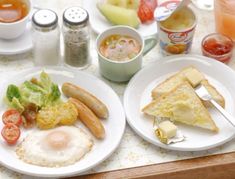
<point>138,94</point>
<point>99,23</point>
<point>101,150</point>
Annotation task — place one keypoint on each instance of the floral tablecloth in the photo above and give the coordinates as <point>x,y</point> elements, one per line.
<point>133,150</point>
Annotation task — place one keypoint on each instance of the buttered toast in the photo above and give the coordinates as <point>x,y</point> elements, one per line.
<point>192,76</point>
<point>181,105</point>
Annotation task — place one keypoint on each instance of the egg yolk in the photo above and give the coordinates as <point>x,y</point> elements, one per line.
<point>57,140</point>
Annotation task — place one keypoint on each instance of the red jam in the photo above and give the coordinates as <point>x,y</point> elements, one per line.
<point>217,46</point>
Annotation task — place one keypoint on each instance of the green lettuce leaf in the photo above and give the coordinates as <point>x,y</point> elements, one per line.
<point>41,92</point>
<point>13,91</point>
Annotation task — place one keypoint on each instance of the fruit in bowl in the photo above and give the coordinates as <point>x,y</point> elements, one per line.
<point>129,4</point>
<point>127,12</point>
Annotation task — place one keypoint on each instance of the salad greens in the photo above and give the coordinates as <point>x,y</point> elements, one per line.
<point>41,92</point>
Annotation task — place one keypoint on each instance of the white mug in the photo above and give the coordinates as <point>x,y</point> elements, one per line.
<point>121,71</point>
<point>15,29</point>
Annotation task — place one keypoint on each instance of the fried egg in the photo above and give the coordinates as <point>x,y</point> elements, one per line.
<point>56,147</point>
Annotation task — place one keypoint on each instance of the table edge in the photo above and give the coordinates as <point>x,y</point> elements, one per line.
<point>214,166</point>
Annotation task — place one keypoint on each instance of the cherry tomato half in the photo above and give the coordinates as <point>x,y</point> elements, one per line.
<point>11,133</point>
<point>12,116</point>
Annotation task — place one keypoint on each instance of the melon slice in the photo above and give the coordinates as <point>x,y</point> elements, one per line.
<point>120,3</point>
<point>119,15</point>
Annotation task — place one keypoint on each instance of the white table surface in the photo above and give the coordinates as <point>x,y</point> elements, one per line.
<point>133,150</point>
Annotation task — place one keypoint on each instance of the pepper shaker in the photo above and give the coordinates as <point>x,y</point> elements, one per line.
<point>76,37</point>
<point>46,37</point>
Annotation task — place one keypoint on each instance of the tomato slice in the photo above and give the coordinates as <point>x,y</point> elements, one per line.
<point>12,116</point>
<point>11,133</point>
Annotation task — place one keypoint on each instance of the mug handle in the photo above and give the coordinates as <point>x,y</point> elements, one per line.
<point>150,42</point>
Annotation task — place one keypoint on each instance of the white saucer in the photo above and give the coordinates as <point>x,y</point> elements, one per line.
<point>19,45</point>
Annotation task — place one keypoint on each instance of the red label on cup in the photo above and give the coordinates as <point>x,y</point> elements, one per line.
<point>177,36</point>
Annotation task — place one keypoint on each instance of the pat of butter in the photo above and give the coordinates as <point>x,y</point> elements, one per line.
<point>168,129</point>
<point>182,112</point>
<point>194,77</point>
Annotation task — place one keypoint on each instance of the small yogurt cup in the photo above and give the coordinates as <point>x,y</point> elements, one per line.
<point>179,40</point>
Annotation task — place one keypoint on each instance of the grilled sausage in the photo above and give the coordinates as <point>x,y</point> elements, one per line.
<point>74,91</point>
<point>88,118</point>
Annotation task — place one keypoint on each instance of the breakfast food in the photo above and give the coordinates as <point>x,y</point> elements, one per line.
<point>217,46</point>
<point>194,77</point>
<point>74,91</point>
<point>37,103</point>
<point>128,12</point>
<point>119,15</point>
<point>130,4</point>
<point>41,92</point>
<point>62,113</point>
<point>89,119</point>
<point>119,47</point>
<point>176,27</point>
<point>165,131</point>
<point>182,105</point>
<point>146,10</point>
<point>12,116</point>
<point>12,10</point>
<point>61,146</point>
<point>10,133</point>
<point>179,20</point>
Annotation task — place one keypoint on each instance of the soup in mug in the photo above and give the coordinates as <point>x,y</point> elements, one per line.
<point>12,10</point>
<point>119,47</point>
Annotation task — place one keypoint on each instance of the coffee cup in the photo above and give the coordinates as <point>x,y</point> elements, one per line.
<point>11,30</point>
<point>121,71</point>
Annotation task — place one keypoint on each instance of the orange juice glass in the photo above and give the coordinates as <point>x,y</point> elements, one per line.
<point>225,17</point>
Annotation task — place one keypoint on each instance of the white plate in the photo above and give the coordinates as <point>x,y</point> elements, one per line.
<point>114,125</point>
<point>138,94</point>
<point>99,23</point>
<point>19,45</point>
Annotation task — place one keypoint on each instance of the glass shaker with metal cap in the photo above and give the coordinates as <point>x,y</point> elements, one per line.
<point>46,37</point>
<point>76,37</point>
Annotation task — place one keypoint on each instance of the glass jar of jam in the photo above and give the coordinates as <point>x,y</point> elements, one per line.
<point>217,46</point>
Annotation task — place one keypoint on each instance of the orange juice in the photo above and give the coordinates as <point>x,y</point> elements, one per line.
<point>225,17</point>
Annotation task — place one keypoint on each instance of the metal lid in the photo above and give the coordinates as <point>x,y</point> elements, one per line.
<point>75,16</point>
<point>45,18</point>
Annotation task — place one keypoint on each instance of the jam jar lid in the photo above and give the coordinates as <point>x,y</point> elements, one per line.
<point>74,16</point>
<point>45,18</point>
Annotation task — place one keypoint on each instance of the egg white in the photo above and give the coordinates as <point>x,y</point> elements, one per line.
<point>35,148</point>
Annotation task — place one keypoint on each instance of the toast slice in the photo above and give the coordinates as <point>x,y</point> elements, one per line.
<point>194,77</point>
<point>182,105</point>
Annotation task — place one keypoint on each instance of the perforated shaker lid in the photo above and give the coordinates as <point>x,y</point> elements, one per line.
<point>45,18</point>
<point>75,16</point>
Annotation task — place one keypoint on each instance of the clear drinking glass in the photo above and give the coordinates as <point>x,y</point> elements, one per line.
<point>204,4</point>
<point>225,17</point>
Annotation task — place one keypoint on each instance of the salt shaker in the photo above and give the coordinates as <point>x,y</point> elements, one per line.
<point>46,37</point>
<point>76,37</point>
